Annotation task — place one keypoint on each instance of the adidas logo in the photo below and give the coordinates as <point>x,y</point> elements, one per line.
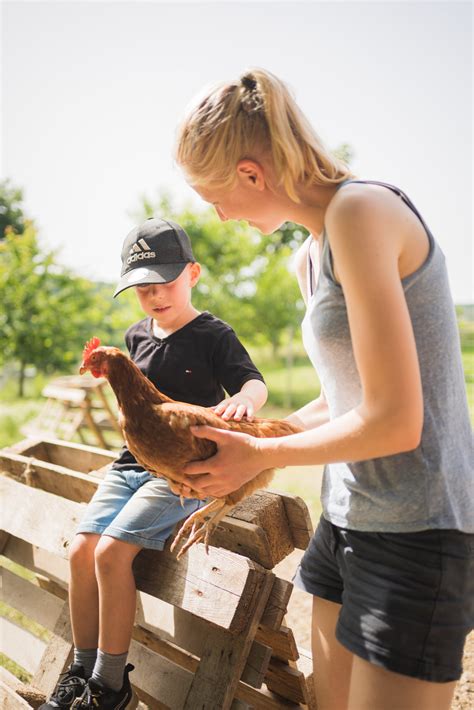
<point>140,250</point>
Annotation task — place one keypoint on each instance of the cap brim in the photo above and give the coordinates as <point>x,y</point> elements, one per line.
<point>162,274</point>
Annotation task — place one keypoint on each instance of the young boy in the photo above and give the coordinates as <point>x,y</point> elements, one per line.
<point>191,357</point>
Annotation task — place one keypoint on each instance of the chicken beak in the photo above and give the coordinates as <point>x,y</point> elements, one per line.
<point>82,369</point>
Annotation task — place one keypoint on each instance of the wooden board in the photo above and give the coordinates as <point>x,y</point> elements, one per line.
<point>257,527</point>
<point>21,646</point>
<point>218,586</point>
<point>51,478</point>
<point>77,457</point>
<point>30,599</point>
<point>9,700</point>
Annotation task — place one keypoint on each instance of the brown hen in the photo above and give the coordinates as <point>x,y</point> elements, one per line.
<point>157,431</point>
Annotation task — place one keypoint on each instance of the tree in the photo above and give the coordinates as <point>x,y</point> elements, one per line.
<point>11,213</point>
<point>277,302</point>
<point>46,312</point>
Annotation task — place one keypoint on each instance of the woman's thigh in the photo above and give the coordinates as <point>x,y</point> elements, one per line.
<point>373,687</point>
<point>408,599</point>
<point>402,603</point>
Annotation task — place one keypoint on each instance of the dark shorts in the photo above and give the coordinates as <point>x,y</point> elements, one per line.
<point>407,598</point>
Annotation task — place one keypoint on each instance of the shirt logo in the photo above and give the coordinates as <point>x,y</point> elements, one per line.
<point>140,250</point>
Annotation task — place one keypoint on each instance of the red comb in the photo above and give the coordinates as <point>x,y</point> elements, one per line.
<point>89,347</point>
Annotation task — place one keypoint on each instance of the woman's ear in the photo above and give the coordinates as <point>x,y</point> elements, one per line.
<point>251,174</point>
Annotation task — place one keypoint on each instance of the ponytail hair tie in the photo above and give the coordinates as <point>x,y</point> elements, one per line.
<point>248,83</point>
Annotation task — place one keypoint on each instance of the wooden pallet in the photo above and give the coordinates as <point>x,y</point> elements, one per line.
<point>209,629</point>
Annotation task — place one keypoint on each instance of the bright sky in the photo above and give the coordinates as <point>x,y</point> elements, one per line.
<point>92,93</point>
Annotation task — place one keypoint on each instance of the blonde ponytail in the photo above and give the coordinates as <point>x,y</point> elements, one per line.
<point>249,118</point>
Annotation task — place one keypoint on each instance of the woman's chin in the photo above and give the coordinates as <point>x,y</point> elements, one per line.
<point>268,229</point>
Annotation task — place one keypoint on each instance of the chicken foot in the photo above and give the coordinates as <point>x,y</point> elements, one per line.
<point>202,523</point>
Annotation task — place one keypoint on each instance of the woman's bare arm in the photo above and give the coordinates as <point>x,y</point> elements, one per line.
<point>366,247</point>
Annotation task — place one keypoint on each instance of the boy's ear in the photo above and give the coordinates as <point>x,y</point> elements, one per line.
<point>251,173</point>
<point>194,272</point>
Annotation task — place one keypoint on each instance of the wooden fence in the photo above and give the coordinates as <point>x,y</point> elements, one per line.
<point>209,630</point>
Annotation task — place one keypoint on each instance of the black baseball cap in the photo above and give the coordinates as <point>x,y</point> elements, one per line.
<point>155,252</point>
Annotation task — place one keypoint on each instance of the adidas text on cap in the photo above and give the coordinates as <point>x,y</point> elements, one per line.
<point>154,252</point>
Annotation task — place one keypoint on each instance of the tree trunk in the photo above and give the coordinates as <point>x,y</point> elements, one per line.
<point>21,380</point>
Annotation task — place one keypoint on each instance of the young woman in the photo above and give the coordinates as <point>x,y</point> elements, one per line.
<point>390,566</point>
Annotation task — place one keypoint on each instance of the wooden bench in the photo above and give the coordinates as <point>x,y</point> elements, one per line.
<point>75,405</point>
<point>209,630</point>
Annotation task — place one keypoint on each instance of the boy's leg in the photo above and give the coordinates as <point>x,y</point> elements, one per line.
<point>117,593</point>
<point>83,591</point>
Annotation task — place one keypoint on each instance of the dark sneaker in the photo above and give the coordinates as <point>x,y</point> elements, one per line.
<point>71,685</point>
<point>97,696</point>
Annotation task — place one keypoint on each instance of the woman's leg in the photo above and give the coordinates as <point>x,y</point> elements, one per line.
<point>332,662</point>
<point>117,593</point>
<point>373,687</point>
<point>83,591</point>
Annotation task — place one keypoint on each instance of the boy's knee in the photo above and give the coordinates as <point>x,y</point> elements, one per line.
<point>112,555</point>
<point>82,550</point>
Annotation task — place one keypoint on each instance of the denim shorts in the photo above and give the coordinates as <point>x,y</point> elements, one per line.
<point>136,507</point>
<point>407,599</point>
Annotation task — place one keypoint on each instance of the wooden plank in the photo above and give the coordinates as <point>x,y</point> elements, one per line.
<point>52,531</point>
<point>191,634</point>
<point>35,559</point>
<point>21,646</point>
<point>277,603</point>
<point>57,654</point>
<point>245,539</point>
<point>268,512</point>
<point>9,700</point>
<point>49,477</point>
<point>4,537</point>
<point>295,681</point>
<point>305,665</point>
<point>216,680</point>
<point>264,699</point>
<point>28,447</point>
<point>158,678</point>
<point>257,528</point>
<point>8,678</point>
<point>30,599</point>
<point>218,587</point>
<point>77,457</point>
<point>282,642</point>
<point>32,696</point>
<point>299,518</point>
<point>64,394</point>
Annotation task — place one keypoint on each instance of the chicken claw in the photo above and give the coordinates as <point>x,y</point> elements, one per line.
<point>201,523</point>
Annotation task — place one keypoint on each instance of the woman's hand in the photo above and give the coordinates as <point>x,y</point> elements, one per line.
<point>239,458</point>
<point>236,407</point>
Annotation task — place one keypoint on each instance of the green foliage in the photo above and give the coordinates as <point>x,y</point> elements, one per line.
<point>277,304</point>
<point>11,213</point>
<point>47,313</point>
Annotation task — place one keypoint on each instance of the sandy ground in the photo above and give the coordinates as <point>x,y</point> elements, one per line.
<point>299,619</point>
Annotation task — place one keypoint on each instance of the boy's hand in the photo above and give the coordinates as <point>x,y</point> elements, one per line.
<point>236,407</point>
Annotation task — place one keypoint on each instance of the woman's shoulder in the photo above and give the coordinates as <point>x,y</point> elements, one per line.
<point>370,198</point>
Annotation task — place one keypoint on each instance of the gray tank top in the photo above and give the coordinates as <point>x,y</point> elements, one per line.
<point>432,486</point>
